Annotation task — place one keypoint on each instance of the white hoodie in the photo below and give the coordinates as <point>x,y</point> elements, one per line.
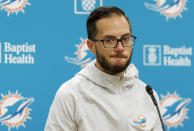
<point>95,101</point>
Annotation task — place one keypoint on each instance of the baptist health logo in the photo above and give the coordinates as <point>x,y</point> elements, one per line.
<point>83,55</point>
<point>86,6</point>
<point>174,109</point>
<point>13,6</point>
<point>14,110</point>
<point>17,53</point>
<point>169,8</point>
<point>155,55</point>
<point>152,55</point>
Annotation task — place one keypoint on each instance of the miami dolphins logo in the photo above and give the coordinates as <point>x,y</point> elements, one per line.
<point>173,110</point>
<point>13,6</point>
<point>141,121</point>
<point>83,55</point>
<point>14,110</point>
<point>169,8</point>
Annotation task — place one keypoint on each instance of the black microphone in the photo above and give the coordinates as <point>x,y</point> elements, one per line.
<point>150,92</point>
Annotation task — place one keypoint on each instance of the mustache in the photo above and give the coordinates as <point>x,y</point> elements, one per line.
<point>119,56</point>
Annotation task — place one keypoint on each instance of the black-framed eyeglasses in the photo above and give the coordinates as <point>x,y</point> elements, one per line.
<point>126,41</point>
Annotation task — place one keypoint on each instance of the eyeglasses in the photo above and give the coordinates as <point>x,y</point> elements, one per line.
<point>126,41</point>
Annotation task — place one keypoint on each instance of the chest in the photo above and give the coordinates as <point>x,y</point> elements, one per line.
<point>101,111</point>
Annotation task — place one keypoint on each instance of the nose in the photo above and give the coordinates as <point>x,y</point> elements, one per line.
<point>119,47</point>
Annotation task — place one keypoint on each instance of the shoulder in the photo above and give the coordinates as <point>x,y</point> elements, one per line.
<point>141,88</point>
<point>73,87</point>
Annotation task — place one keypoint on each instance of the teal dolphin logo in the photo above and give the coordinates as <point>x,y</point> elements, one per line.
<point>83,55</point>
<point>169,8</point>
<point>13,6</point>
<point>14,110</point>
<point>174,109</point>
<point>141,121</point>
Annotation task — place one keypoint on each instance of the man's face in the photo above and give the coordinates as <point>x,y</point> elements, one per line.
<point>112,60</point>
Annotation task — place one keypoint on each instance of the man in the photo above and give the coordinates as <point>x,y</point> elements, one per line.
<point>106,95</point>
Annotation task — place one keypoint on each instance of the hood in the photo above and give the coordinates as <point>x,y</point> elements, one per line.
<point>111,82</point>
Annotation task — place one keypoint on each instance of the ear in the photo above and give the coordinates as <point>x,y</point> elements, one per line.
<point>91,46</point>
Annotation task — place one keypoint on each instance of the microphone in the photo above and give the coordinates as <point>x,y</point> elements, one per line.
<point>150,92</point>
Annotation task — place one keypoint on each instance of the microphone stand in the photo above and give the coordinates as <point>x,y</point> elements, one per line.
<point>150,92</point>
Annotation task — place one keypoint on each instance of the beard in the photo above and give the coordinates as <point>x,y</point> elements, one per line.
<point>113,69</point>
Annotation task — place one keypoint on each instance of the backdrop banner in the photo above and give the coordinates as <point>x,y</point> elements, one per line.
<point>43,44</point>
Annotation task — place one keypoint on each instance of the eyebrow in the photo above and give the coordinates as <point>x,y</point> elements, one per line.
<point>127,34</point>
<point>110,36</point>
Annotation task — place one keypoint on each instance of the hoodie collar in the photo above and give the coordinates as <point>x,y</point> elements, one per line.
<point>111,82</point>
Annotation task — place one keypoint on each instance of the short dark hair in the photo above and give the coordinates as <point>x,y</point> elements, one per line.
<point>99,13</point>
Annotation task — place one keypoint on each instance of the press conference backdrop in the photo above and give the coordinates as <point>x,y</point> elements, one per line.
<point>43,44</point>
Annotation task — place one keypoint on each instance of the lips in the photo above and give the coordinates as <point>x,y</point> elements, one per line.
<point>118,56</point>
